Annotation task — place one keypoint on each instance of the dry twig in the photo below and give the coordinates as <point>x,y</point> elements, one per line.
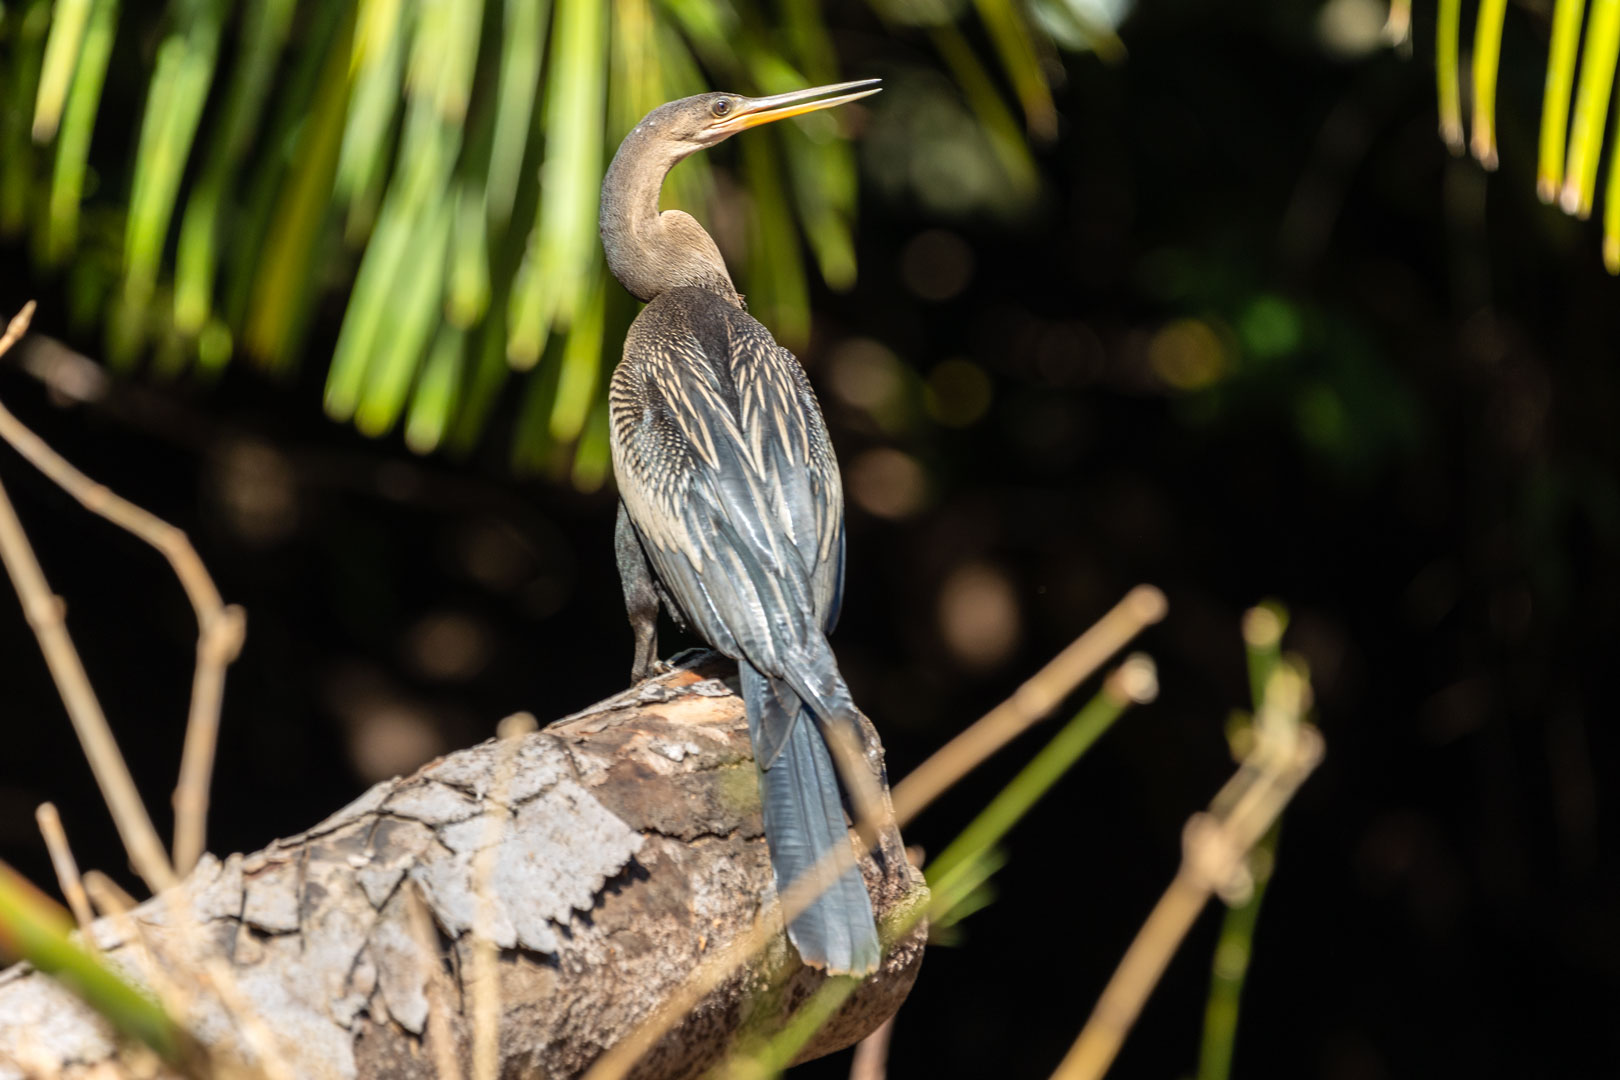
<point>44,612</point>
<point>220,627</point>
<point>66,867</point>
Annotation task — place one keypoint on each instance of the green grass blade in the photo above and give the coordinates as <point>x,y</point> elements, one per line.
<point>1010,33</point>
<point>1233,951</point>
<point>264,29</point>
<point>78,123</point>
<point>1263,629</point>
<point>62,50</point>
<point>16,145</point>
<point>523,43</point>
<point>35,929</point>
<point>1566,35</point>
<point>1487,58</point>
<point>1591,107</point>
<point>560,269</point>
<point>1032,782</point>
<point>434,400</point>
<point>771,1057</point>
<point>1449,81</point>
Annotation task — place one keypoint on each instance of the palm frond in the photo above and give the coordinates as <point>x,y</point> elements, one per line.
<point>439,164</point>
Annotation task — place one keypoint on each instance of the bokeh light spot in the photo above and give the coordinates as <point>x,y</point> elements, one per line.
<point>867,375</point>
<point>1187,355</point>
<point>936,265</point>
<point>1270,327</point>
<point>888,483</point>
<point>1351,28</point>
<point>979,616</point>
<point>448,646</point>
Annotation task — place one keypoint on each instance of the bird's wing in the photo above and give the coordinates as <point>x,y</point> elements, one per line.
<point>726,471</point>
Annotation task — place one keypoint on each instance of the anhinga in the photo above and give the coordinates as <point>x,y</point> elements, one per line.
<point>731,511</point>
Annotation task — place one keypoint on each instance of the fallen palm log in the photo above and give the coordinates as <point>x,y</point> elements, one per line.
<point>604,856</point>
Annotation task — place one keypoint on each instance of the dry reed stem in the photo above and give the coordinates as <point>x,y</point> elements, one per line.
<point>1215,849</point>
<point>220,627</point>
<point>66,867</point>
<point>1141,607</point>
<point>871,1060</point>
<point>445,1062</point>
<point>484,974</point>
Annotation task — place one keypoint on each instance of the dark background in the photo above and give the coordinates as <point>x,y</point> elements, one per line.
<point>1402,430</point>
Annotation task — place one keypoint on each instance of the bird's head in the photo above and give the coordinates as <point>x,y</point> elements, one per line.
<point>698,122</point>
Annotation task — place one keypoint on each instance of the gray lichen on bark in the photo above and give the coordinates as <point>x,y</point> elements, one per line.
<point>605,856</point>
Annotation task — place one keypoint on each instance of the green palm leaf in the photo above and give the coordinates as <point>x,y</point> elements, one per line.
<point>438,164</point>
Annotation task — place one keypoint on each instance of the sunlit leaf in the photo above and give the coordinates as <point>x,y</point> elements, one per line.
<point>564,246</point>
<point>16,145</point>
<point>1591,107</point>
<point>179,89</point>
<point>62,50</point>
<point>1487,56</point>
<point>1566,36</point>
<point>522,45</point>
<point>264,29</point>
<point>281,274</point>
<point>1446,70</point>
<point>73,136</point>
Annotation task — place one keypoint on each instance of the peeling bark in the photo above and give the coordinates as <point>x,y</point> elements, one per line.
<point>618,847</point>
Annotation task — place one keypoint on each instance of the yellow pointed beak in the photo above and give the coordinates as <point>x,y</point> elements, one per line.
<point>752,112</point>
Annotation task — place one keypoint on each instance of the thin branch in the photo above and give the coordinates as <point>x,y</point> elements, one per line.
<point>220,627</point>
<point>1142,607</point>
<point>44,612</point>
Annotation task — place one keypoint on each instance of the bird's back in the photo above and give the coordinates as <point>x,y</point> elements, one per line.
<point>726,469</point>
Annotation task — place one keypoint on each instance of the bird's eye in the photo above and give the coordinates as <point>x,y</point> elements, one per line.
<point>721,107</point>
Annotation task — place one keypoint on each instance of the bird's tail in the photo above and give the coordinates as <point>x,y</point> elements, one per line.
<point>804,822</point>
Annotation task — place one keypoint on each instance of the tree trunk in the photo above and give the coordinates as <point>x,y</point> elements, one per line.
<point>619,847</point>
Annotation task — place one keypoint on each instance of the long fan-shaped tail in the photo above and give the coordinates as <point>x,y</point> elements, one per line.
<point>804,821</point>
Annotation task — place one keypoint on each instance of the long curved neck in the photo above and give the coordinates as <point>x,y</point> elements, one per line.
<point>651,252</point>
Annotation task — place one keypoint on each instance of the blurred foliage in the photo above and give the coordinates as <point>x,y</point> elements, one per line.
<point>439,162</point>
<point>1571,142</point>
